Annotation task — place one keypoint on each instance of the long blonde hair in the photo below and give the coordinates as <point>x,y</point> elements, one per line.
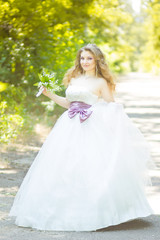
<point>102,68</point>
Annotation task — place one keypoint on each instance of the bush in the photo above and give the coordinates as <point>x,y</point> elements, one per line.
<point>10,124</point>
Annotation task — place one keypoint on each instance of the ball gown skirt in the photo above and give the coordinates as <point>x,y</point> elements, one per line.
<point>87,175</point>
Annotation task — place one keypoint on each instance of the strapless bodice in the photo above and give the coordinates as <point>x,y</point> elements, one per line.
<point>80,93</point>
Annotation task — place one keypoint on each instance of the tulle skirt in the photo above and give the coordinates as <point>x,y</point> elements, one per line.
<point>87,175</point>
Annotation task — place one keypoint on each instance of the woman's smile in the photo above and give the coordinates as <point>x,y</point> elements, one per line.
<point>87,62</point>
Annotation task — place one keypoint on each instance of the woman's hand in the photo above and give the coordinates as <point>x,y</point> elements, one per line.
<point>45,92</point>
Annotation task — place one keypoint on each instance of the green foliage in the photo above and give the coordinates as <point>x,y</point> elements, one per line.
<point>47,34</point>
<point>151,56</point>
<point>3,86</point>
<point>48,80</point>
<point>10,124</point>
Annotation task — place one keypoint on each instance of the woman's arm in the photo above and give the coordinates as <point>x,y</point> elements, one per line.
<point>62,101</point>
<point>106,92</point>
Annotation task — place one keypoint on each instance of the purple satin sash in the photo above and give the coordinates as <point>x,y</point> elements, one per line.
<point>81,108</point>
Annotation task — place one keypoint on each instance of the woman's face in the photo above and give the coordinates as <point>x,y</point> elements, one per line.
<point>87,61</point>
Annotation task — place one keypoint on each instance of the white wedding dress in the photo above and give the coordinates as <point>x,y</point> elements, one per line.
<point>87,175</point>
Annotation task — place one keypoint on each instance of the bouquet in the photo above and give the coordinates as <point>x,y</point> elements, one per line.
<point>47,80</point>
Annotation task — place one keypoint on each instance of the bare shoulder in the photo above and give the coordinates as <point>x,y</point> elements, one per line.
<point>105,90</point>
<point>102,80</point>
<point>103,83</point>
<point>72,81</point>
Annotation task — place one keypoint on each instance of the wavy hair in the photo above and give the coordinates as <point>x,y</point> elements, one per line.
<point>102,68</point>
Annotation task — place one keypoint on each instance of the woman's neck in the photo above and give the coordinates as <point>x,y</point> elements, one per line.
<point>90,74</point>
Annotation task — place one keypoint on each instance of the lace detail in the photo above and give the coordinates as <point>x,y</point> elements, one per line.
<point>79,93</point>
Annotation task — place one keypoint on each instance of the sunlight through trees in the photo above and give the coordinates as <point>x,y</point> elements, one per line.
<point>47,33</point>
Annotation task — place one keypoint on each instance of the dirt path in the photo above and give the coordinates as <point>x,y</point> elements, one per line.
<point>140,95</point>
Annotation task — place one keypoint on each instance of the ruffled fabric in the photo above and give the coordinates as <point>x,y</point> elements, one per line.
<point>87,175</point>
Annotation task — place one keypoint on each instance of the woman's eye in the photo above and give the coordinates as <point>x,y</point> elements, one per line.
<point>82,58</point>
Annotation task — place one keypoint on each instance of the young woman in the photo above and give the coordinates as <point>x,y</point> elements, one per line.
<point>90,172</point>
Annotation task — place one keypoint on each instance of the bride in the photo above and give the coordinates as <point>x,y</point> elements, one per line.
<point>91,171</point>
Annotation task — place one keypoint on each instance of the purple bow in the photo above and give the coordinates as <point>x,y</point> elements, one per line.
<point>81,108</point>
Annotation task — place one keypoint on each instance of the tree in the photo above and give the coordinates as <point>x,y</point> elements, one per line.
<point>48,33</point>
<point>151,57</point>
